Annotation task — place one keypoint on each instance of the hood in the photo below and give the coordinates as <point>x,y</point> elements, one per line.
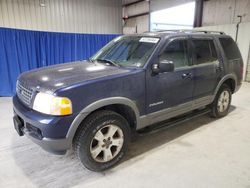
<point>59,76</point>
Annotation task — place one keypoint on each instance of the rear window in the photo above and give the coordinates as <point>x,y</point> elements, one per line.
<point>230,48</point>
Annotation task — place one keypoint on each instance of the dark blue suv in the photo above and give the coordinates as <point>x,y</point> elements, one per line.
<point>133,82</point>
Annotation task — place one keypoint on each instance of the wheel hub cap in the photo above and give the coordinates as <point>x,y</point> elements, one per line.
<point>223,101</point>
<point>107,143</point>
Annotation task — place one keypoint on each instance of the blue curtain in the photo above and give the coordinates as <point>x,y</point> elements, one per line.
<point>22,50</point>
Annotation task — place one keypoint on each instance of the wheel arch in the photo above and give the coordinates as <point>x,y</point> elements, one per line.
<point>123,106</point>
<point>231,83</point>
<point>230,80</point>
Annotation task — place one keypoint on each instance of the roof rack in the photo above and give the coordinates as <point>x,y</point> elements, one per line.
<point>192,31</point>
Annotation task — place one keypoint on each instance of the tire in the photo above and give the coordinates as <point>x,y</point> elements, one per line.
<point>222,102</point>
<point>102,140</point>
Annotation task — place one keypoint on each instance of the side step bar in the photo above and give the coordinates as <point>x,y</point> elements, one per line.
<point>173,121</point>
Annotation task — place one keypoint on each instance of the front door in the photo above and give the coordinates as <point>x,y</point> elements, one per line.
<point>170,89</point>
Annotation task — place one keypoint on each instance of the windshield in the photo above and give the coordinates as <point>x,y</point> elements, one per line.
<point>128,51</point>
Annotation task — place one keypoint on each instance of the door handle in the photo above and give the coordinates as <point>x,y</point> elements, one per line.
<point>187,76</point>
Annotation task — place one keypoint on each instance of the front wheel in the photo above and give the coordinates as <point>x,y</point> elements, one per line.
<point>102,140</point>
<point>222,102</point>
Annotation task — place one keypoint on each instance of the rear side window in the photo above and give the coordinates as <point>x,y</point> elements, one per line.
<point>204,51</point>
<point>230,48</point>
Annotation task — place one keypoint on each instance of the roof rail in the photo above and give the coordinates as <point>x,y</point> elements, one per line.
<point>192,31</point>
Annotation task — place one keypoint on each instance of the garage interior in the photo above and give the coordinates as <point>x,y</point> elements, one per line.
<point>203,152</point>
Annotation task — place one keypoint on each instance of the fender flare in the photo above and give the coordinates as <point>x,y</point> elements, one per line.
<point>96,105</point>
<point>228,76</point>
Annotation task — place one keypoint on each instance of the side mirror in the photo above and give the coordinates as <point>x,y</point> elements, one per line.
<point>163,66</point>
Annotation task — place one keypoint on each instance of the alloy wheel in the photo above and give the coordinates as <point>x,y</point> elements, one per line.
<point>223,101</point>
<point>106,143</point>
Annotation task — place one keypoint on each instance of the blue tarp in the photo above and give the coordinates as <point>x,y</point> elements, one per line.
<point>22,50</point>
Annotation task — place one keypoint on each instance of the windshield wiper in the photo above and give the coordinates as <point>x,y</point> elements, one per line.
<point>109,62</point>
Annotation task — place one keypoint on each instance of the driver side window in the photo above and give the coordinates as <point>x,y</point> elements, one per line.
<point>176,52</point>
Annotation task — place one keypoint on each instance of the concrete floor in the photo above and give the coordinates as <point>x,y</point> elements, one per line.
<point>203,152</point>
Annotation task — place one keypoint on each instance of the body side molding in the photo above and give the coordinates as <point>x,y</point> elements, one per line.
<point>174,111</point>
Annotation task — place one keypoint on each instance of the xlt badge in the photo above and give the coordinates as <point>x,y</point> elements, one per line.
<point>156,103</point>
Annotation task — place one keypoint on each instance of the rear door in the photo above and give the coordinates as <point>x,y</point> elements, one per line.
<point>207,68</point>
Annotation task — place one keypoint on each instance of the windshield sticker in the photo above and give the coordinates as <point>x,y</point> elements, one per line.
<point>149,39</point>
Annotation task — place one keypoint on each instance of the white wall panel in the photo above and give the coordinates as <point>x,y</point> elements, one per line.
<point>138,24</point>
<point>218,12</point>
<point>76,16</point>
<point>128,1</point>
<point>137,8</point>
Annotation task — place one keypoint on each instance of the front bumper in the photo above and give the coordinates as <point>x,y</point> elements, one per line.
<point>55,146</point>
<point>47,131</point>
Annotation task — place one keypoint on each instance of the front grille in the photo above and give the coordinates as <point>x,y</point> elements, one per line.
<point>24,93</point>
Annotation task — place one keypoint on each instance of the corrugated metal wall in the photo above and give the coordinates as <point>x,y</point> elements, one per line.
<point>137,24</point>
<point>217,12</point>
<point>75,16</point>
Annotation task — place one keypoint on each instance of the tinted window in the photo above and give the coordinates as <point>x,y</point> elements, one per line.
<point>204,51</point>
<point>230,48</point>
<point>176,51</point>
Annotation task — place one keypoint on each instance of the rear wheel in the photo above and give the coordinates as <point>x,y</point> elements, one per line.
<point>102,140</point>
<point>222,102</point>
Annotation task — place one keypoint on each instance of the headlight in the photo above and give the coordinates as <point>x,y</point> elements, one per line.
<point>53,105</point>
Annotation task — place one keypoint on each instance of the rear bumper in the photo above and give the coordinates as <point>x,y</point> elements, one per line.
<point>47,131</point>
